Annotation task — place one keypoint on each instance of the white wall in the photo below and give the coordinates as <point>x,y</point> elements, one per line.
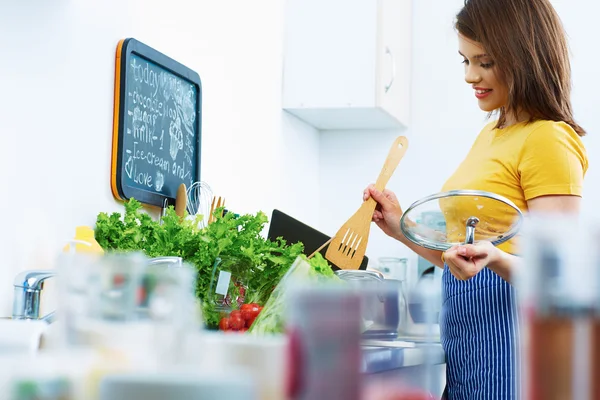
<point>445,120</point>
<point>580,20</point>
<point>57,78</point>
<point>55,154</point>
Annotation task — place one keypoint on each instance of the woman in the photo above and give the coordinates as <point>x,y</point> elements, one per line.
<point>516,60</point>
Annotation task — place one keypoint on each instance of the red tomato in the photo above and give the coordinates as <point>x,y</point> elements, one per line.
<point>249,322</point>
<point>235,313</point>
<point>236,323</point>
<point>250,312</point>
<point>246,314</point>
<point>249,307</point>
<point>224,324</point>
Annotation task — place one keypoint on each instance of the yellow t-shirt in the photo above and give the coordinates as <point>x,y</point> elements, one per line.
<point>521,162</point>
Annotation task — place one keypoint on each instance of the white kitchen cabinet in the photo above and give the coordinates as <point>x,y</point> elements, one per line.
<point>347,63</point>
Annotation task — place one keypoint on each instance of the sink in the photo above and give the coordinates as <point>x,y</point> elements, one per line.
<point>20,336</point>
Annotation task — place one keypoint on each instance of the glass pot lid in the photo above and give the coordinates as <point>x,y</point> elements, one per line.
<point>445,219</point>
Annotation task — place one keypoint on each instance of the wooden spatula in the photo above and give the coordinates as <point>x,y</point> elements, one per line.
<point>348,246</point>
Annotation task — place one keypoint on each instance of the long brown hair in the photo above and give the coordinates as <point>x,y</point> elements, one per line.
<point>527,42</point>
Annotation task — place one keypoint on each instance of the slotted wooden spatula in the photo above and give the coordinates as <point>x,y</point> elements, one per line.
<point>348,246</point>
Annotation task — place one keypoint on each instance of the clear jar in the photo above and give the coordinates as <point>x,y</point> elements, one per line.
<point>393,267</point>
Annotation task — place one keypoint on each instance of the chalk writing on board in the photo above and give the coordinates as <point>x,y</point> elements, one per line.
<point>160,181</point>
<point>161,128</point>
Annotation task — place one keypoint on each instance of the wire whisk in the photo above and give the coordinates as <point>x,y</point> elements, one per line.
<point>199,196</point>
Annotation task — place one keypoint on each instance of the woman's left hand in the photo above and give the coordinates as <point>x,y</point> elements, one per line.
<point>466,260</point>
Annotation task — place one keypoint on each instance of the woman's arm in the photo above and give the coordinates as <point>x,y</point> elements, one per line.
<point>387,217</point>
<point>466,261</point>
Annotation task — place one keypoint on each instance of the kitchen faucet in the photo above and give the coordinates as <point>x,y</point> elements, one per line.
<point>27,289</point>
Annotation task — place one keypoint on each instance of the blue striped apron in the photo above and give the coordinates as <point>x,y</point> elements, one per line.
<point>479,332</point>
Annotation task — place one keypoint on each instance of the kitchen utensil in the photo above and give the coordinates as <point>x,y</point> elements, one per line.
<point>320,248</point>
<point>392,267</point>
<point>217,202</point>
<point>292,231</point>
<point>383,303</point>
<point>181,201</point>
<point>163,210</point>
<point>199,196</point>
<point>360,275</point>
<point>469,214</point>
<point>349,244</point>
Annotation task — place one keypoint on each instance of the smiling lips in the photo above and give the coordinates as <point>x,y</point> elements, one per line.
<point>481,93</point>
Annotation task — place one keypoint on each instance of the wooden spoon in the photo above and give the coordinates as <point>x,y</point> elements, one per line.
<point>348,246</point>
<point>181,201</point>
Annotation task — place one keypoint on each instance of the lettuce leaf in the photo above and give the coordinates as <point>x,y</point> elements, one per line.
<point>230,235</point>
<point>271,319</point>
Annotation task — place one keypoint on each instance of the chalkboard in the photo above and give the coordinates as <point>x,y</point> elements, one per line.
<point>156,135</point>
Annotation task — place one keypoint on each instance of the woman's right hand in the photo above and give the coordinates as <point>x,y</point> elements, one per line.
<point>388,211</point>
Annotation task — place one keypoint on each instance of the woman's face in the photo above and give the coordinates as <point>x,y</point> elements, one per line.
<point>480,73</point>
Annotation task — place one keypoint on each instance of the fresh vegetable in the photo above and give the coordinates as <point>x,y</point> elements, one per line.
<point>236,322</point>
<point>224,324</point>
<point>250,311</point>
<point>272,318</point>
<point>228,236</point>
<point>240,320</point>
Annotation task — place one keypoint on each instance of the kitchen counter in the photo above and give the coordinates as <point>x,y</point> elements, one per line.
<point>405,362</point>
<point>382,356</point>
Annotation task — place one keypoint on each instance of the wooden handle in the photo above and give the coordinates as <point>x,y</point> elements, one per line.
<point>391,162</point>
<point>181,201</point>
<point>320,248</point>
<point>212,209</point>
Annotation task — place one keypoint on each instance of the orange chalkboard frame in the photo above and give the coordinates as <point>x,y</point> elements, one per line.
<point>119,185</point>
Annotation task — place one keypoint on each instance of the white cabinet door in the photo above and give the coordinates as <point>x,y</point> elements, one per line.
<point>394,54</point>
<point>340,55</point>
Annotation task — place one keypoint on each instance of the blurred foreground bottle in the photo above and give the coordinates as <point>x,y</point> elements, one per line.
<point>559,300</point>
<point>324,359</point>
